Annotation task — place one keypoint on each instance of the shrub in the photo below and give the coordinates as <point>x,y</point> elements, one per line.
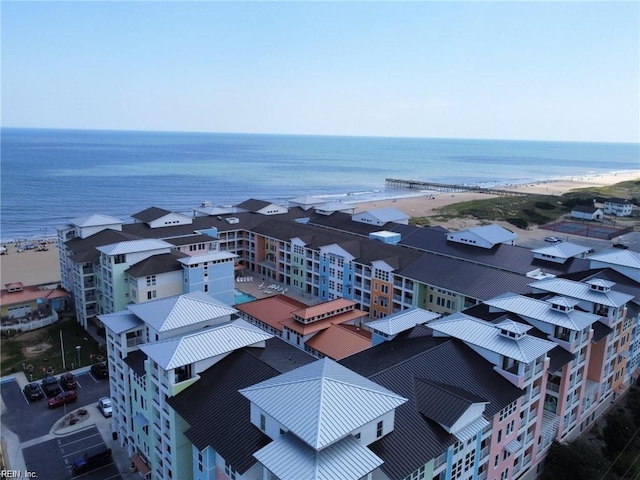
<point>544,205</point>
<point>518,222</point>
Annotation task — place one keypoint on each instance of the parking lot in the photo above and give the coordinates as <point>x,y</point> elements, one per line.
<point>50,452</point>
<point>53,458</point>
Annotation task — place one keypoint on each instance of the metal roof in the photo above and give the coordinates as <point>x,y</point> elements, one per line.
<point>513,326</point>
<point>492,234</point>
<point>384,215</point>
<point>474,428</point>
<point>562,250</point>
<point>542,311</point>
<point>174,312</point>
<point>582,291</point>
<point>401,321</point>
<point>95,220</point>
<point>177,352</point>
<point>120,322</point>
<point>134,246</point>
<point>156,264</point>
<point>288,458</point>
<point>323,401</point>
<point>443,403</point>
<point>207,257</point>
<point>616,256</point>
<point>486,335</point>
<point>150,214</point>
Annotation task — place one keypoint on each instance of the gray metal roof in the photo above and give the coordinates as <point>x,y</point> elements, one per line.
<point>207,257</point>
<point>480,333</point>
<point>177,352</point>
<point>443,403</point>
<point>384,214</point>
<point>492,234</point>
<point>616,256</point>
<point>120,322</point>
<point>562,250</point>
<point>290,459</point>
<point>95,220</point>
<point>174,312</point>
<point>582,291</point>
<point>401,321</point>
<point>323,401</point>
<point>513,326</point>
<point>133,246</point>
<point>542,311</point>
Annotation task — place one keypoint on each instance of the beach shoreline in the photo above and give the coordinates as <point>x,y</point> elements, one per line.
<point>423,203</point>
<point>33,267</point>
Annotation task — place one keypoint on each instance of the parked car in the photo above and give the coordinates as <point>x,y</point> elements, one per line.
<point>50,386</point>
<point>33,391</point>
<point>93,458</point>
<point>621,246</point>
<point>63,398</point>
<point>68,381</point>
<point>552,239</point>
<point>100,370</point>
<point>104,405</point>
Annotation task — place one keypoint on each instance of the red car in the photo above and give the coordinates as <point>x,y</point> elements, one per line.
<point>65,397</point>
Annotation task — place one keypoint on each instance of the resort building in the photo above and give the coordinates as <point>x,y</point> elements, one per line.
<point>155,350</point>
<point>620,207</point>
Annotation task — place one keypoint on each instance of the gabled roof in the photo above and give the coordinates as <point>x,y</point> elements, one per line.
<point>486,335</point>
<point>307,200</point>
<point>134,246</point>
<point>30,294</point>
<point>206,257</point>
<point>384,215</point>
<point>582,291</point>
<point>95,220</point>
<point>620,201</point>
<point>443,403</point>
<point>542,311</point>
<point>415,437</point>
<point>204,344</point>
<point>322,402</point>
<point>288,458</point>
<point>271,310</point>
<point>562,250</point>
<point>585,209</point>
<point>401,321</point>
<point>170,313</point>
<point>156,264</point>
<point>150,214</point>
<point>492,234</point>
<point>84,250</point>
<point>324,307</point>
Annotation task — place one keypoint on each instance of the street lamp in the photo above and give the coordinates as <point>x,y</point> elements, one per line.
<point>78,347</point>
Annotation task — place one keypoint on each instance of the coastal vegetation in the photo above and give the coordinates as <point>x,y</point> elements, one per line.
<point>528,210</point>
<point>39,351</point>
<point>609,451</point>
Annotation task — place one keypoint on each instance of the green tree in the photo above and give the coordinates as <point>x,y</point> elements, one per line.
<point>576,459</point>
<point>616,434</point>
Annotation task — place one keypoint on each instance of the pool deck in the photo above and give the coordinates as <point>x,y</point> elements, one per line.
<point>253,288</point>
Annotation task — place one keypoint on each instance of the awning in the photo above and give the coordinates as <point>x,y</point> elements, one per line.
<point>513,446</point>
<point>140,420</point>
<point>140,464</point>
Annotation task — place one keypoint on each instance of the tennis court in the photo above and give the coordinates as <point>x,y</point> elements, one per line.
<point>585,229</point>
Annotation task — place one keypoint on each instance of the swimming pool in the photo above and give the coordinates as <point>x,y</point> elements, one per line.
<point>241,297</point>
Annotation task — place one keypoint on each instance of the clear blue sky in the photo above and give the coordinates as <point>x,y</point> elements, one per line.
<point>517,70</point>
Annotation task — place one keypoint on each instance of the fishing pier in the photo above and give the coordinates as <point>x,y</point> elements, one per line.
<point>449,187</point>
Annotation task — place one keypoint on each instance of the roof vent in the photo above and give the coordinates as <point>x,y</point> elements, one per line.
<point>232,220</point>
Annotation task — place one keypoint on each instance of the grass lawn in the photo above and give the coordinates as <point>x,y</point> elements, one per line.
<point>41,349</point>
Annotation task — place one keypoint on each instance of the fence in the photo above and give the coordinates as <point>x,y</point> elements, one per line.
<point>25,325</point>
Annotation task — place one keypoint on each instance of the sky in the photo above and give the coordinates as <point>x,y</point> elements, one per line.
<point>496,70</point>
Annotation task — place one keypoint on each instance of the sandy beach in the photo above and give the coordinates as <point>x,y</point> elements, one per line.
<point>33,267</point>
<point>423,205</point>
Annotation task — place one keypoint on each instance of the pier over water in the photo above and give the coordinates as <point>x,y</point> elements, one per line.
<point>450,187</point>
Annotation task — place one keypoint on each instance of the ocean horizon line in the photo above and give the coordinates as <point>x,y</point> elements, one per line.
<point>319,135</point>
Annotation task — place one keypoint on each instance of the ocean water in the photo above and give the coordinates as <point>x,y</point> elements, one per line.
<point>51,176</point>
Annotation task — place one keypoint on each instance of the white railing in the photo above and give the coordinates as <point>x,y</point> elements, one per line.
<point>25,325</point>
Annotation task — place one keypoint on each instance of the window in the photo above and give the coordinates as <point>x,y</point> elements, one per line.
<point>151,280</point>
<point>505,475</point>
<point>263,422</point>
<point>151,294</point>
<point>379,429</point>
